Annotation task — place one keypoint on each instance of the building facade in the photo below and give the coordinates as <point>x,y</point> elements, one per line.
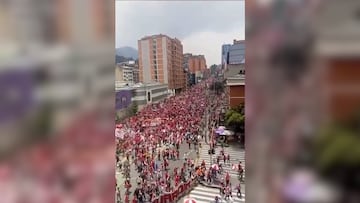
<point>338,51</point>
<point>237,52</point>
<point>124,73</point>
<point>127,72</point>
<point>161,60</point>
<point>140,95</point>
<point>233,53</point>
<point>235,83</point>
<point>225,53</point>
<point>236,88</point>
<point>197,63</point>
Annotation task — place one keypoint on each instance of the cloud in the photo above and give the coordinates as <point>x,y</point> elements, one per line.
<point>135,19</point>
<point>209,43</point>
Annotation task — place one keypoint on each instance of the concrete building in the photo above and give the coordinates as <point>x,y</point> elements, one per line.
<point>136,74</point>
<point>236,88</point>
<point>139,94</point>
<point>234,69</point>
<point>186,70</point>
<point>124,73</point>
<point>237,52</point>
<point>197,63</point>
<point>338,51</point>
<point>225,53</point>
<point>235,84</point>
<point>127,72</point>
<point>161,60</point>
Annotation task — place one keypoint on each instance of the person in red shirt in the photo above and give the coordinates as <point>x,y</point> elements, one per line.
<point>127,198</point>
<point>177,180</point>
<point>203,163</point>
<point>166,175</point>
<point>227,178</point>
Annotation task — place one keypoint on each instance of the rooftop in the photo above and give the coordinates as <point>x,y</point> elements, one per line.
<point>155,36</point>
<point>337,30</point>
<point>233,70</point>
<point>238,41</point>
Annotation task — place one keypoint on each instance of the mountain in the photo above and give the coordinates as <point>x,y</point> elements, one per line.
<point>120,59</point>
<point>127,52</point>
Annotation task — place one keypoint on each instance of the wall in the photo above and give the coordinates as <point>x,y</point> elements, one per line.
<point>196,63</point>
<point>237,53</point>
<point>344,87</point>
<point>225,50</point>
<point>144,61</point>
<point>118,73</point>
<point>237,95</point>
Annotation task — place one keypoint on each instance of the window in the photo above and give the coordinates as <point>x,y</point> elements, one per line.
<point>148,96</point>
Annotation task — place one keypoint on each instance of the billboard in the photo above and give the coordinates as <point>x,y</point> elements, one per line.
<point>123,99</point>
<point>17,88</point>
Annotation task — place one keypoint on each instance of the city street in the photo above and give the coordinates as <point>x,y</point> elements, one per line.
<point>187,176</point>
<point>206,194</point>
<point>184,153</point>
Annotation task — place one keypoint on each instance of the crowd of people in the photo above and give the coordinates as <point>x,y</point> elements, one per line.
<point>151,139</point>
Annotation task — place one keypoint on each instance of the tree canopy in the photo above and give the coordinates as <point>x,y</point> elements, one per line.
<point>235,117</point>
<point>337,153</point>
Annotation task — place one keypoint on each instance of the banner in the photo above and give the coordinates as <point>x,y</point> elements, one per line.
<point>177,193</point>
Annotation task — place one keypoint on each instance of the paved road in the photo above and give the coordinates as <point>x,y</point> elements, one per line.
<point>236,154</point>
<point>204,194</point>
<point>184,152</point>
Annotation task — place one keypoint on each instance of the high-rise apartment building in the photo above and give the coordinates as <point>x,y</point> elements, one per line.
<point>196,63</point>
<point>161,60</point>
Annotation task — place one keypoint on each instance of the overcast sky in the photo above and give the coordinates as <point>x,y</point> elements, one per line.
<point>201,26</point>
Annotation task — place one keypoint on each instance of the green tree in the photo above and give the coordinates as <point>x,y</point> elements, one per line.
<point>134,108</point>
<point>235,118</point>
<point>213,69</point>
<point>337,153</point>
<point>41,125</point>
<point>117,118</point>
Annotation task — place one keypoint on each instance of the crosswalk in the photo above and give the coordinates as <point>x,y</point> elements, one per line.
<point>204,194</point>
<point>236,155</point>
